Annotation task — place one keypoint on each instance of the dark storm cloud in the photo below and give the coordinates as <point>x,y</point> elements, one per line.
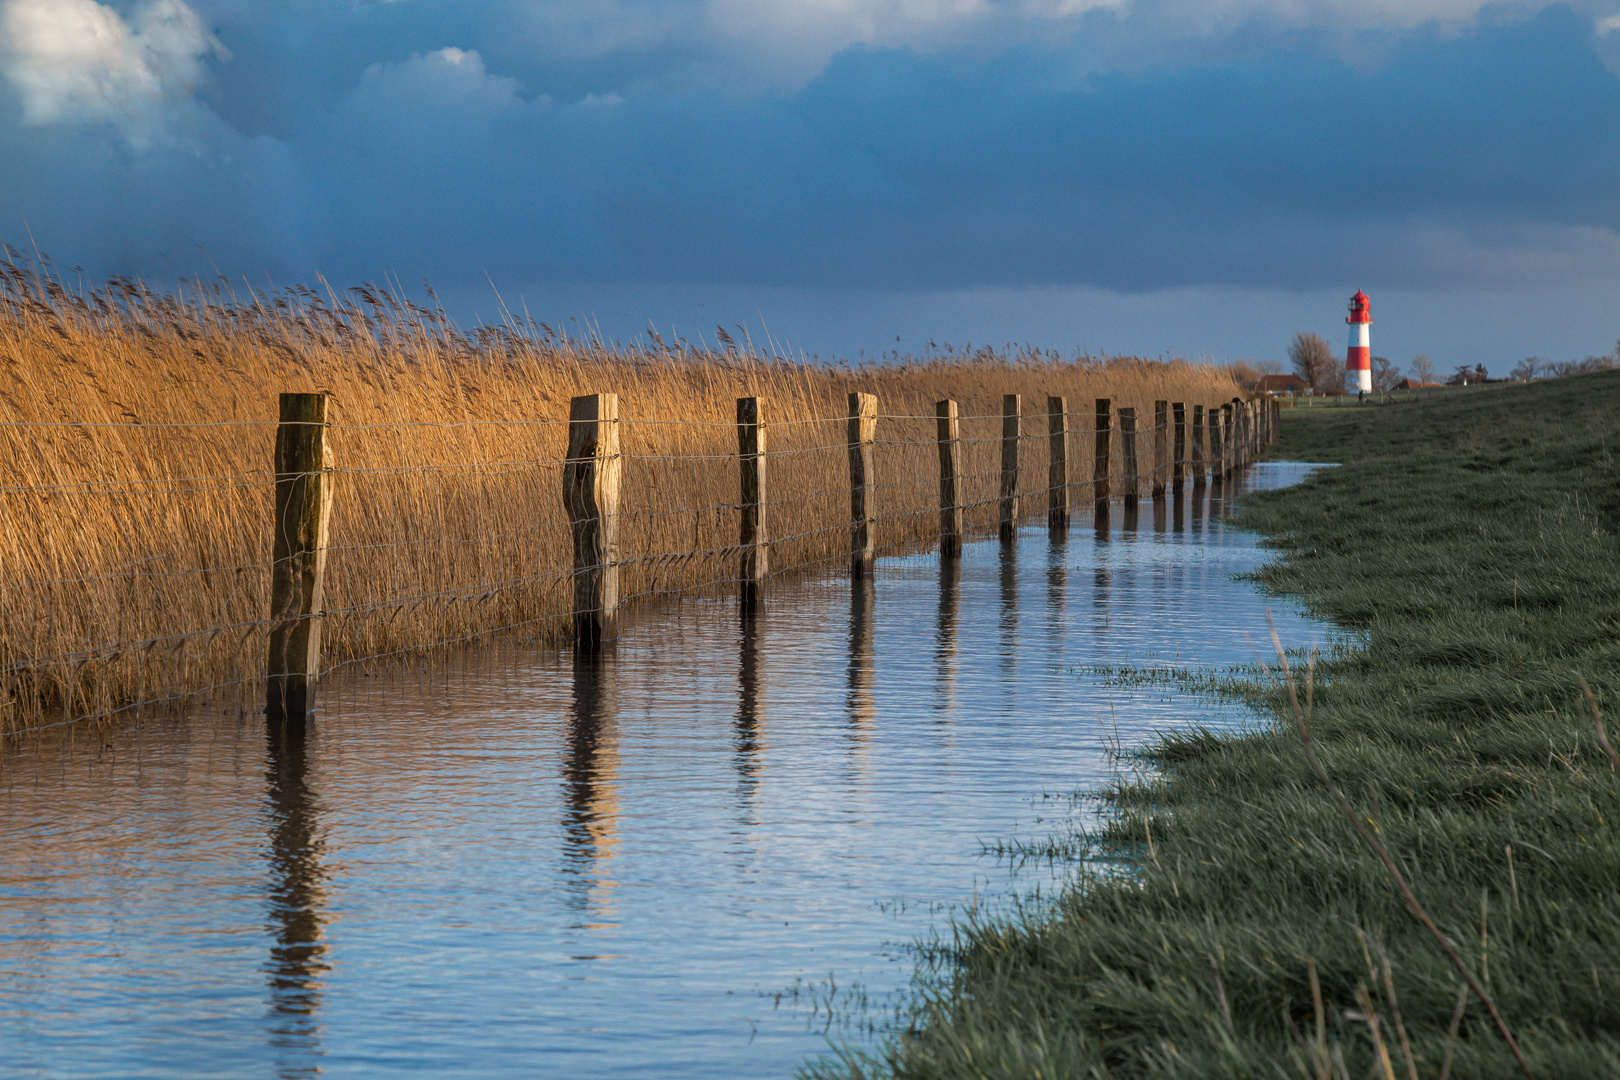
<point>1489,154</point>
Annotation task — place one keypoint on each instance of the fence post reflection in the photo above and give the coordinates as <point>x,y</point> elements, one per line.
<point>858,697</point>
<point>590,777</point>
<point>750,740</point>
<point>950,589</point>
<point>1007,621</point>
<point>297,890</point>
<point>1057,586</point>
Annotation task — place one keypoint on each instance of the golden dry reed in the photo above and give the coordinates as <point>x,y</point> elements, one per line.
<point>136,432</point>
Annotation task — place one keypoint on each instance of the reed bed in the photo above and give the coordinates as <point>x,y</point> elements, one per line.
<point>136,431</point>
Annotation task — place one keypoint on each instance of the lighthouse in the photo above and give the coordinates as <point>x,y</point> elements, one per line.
<point>1358,361</point>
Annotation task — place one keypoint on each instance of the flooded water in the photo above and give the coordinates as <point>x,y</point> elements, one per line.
<point>531,868</point>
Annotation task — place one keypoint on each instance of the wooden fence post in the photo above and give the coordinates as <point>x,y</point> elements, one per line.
<point>1099,475</point>
<point>947,421</point>
<point>753,537</point>
<point>1234,435</point>
<point>1240,448</point>
<point>591,478</point>
<point>1057,469</point>
<point>862,476</point>
<point>1127,446</point>
<point>303,511</point>
<point>1178,468</point>
<point>1011,423</point>
<point>1246,425</point>
<point>1227,419</point>
<point>1198,448</point>
<point>1161,447</point>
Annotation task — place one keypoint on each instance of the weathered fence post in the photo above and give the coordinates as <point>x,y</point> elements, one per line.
<point>304,482</point>
<point>1127,446</point>
<point>1179,469</point>
<point>1198,448</point>
<point>1099,475</point>
<point>753,538</point>
<point>591,478</point>
<point>1011,423</point>
<point>1057,469</point>
<point>1161,447</point>
<point>1233,413</point>
<point>862,476</point>
<point>1238,450</point>
<point>1245,416</point>
<point>947,421</point>
<point>1227,421</point>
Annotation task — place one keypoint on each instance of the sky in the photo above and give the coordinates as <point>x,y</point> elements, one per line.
<point>1195,178</point>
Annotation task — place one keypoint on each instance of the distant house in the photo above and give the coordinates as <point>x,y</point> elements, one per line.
<point>1408,384</point>
<point>1281,384</point>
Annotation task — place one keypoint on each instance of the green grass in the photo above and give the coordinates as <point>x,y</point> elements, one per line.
<point>1471,537</point>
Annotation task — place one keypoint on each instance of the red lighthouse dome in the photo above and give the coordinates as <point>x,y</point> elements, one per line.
<point>1360,308</point>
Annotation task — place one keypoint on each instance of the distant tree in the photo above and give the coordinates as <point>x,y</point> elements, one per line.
<point>1314,361</point>
<point>1422,370</point>
<point>1581,367</point>
<point>1384,375</point>
<point>1530,367</point>
<point>1274,367</point>
<point>1244,372</point>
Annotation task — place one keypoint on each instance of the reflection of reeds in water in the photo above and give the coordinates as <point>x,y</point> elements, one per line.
<point>136,433</point>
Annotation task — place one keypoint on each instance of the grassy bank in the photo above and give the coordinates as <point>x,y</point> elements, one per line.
<point>135,441</point>
<point>1471,538</point>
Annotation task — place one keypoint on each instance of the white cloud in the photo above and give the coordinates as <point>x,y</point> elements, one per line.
<point>80,61</point>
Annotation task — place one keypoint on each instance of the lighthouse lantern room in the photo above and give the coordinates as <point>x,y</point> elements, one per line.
<point>1358,361</point>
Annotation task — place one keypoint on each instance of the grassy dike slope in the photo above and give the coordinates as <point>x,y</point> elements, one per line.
<point>1475,539</point>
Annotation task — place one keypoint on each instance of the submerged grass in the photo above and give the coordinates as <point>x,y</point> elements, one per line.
<point>1470,541</point>
<point>136,431</point>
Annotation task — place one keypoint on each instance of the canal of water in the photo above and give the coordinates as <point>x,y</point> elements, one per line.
<point>516,866</point>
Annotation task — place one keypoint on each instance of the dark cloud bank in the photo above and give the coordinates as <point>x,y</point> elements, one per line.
<point>1492,155</point>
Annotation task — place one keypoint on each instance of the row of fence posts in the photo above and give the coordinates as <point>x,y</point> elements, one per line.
<point>1237,431</point>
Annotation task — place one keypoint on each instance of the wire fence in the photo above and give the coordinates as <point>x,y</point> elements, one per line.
<point>150,585</point>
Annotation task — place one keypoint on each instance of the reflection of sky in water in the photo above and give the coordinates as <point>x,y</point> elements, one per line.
<point>532,867</point>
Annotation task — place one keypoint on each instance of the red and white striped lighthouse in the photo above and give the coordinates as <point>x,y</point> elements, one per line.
<point>1358,361</point>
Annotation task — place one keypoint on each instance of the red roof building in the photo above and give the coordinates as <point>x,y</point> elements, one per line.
<point>1281,384</point>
